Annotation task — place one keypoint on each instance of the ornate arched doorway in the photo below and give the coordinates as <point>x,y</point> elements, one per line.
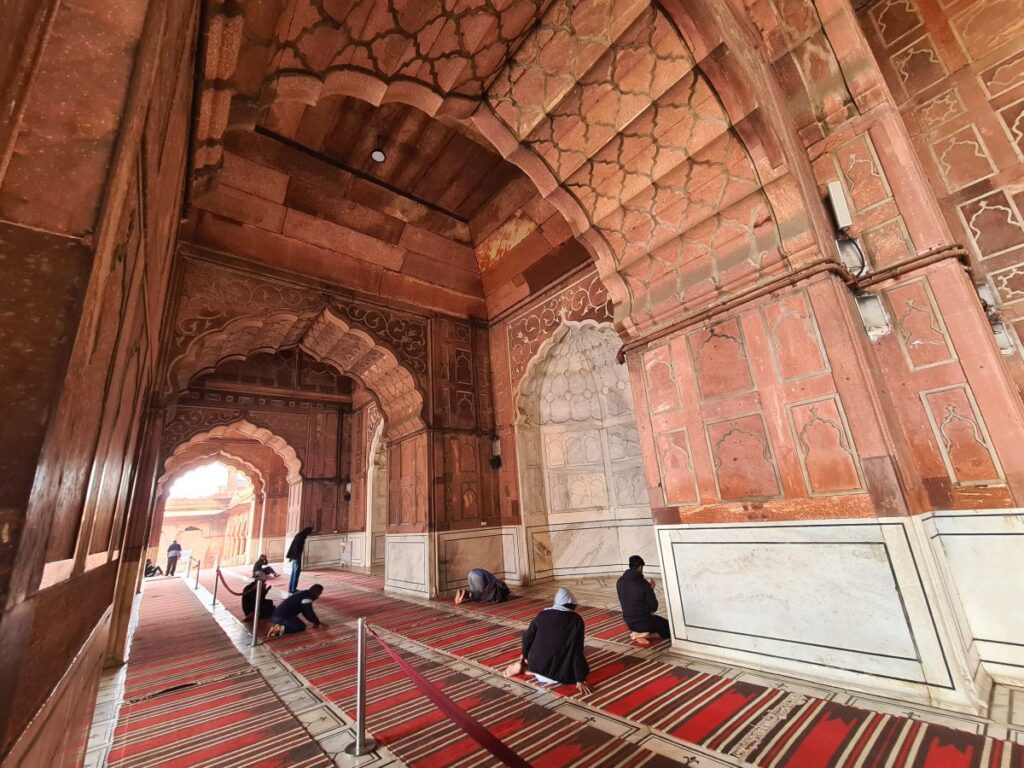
<point>585,506</point>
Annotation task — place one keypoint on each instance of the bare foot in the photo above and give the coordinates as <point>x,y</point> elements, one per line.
<point>460,596</point>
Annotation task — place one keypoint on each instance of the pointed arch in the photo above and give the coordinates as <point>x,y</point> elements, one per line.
<point>181,464</point>
<point>325,336</point>
<point>244,427</point>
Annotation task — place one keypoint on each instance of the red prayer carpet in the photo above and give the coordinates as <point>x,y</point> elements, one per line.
<point>191,699</point>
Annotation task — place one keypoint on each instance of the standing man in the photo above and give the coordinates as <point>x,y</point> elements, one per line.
<point>173,553</point>
<point>638,602</point>
<point>294,554</point>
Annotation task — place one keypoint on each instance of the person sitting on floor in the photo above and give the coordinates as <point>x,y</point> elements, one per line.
<point>285,617</point>
<point>153,570</point>
<point>257,586</point>
<point>553,646</point>
<point>638,602</point>
<point>484,587</point>
<point>262,565</point>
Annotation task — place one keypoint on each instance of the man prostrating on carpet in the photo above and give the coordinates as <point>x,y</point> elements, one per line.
<point>286,616</point>
<point>553,646</point>
<point>484,587</point>
<point>638,602</point>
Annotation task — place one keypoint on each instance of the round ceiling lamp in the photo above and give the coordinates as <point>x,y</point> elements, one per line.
<point>378,155</point>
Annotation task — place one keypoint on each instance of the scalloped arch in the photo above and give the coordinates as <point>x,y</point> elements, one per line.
<point>175,468</point>
<point>292,463</point>
<point>326,337</point>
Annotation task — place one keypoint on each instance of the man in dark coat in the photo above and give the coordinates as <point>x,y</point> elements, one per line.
<point>638,601</point>
<point>553,646</point>
<point>258,586</point>
<point>173,553</point>
<point>286,616</point>
<point>484,587</point>
<point>295,550</point>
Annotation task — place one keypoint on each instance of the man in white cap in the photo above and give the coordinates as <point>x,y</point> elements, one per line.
<point>553,646</point>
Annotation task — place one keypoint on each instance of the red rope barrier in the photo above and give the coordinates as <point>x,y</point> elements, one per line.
<point>460,717</point>
<point>229,589</point>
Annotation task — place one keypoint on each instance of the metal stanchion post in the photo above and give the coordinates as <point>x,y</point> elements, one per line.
<point>199,564</point>
<point>362,745</point>
<point>216,583</point>
<point>256,617</point>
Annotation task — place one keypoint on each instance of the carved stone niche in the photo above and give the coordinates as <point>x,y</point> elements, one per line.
<point>584,499</point>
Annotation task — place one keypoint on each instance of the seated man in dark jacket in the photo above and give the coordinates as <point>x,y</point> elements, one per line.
<point>262,565</point>
<point>636,596</point>
<point>553,646</point>
<point>286,616</point>
<point>257,586</point>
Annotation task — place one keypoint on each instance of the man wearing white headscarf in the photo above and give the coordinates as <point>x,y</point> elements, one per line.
<point>553,646</point>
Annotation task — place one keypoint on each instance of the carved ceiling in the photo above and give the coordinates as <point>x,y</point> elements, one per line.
<point>601,103</point>
<point>424,158</point>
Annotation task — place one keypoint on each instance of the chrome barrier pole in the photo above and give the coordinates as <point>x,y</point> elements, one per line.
<point>199,564</point>
<point>362,745</point>
<point>256,617</point>
<point>216,583</point>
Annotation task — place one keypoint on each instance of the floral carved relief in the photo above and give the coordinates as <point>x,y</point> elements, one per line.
<point>584,299</point>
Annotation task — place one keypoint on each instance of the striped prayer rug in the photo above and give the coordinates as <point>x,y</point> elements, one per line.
<point>412,727</point>
<point>766,726</point>
<point>192,700</point>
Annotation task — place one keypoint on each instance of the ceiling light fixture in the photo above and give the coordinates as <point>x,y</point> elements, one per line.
<point>378,155</point>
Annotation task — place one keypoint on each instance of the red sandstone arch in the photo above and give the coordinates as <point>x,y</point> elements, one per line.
<point>181,463</point>
<point>326,337</point>
<point>246,429</point>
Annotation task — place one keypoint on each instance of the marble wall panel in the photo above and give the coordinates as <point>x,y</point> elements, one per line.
<point>589,548</point>
<point>494,549</point>
<point>407,564</point>
<point>981,554</point>
<point>326,550</point>
<point>849,602</point>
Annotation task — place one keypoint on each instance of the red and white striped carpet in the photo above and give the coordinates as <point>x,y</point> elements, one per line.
<point>192,700</point>
<point>766,726</point>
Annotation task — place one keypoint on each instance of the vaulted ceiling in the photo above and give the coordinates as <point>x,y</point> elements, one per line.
<point>612,130</point>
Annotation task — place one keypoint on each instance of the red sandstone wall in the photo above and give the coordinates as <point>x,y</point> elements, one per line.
<point>91,171</point>
<point>956,71</point>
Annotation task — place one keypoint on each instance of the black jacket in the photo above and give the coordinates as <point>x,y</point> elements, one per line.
<point>297,546</point>
<point>636,596</point>
<point>553,646</point>
<point>290,607</point>
<point>174,550</point>
<point>249,598</point>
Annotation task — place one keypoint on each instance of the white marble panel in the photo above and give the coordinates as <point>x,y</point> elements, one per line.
<point>377,555</point>
<point>326,550</point>
<point>407,563</point>
<point>795,592</point>
<point>495,549</point>
<point>273,548</point>
<point>982,553</point>
<point>849,602</point>
<point>589,547</point>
